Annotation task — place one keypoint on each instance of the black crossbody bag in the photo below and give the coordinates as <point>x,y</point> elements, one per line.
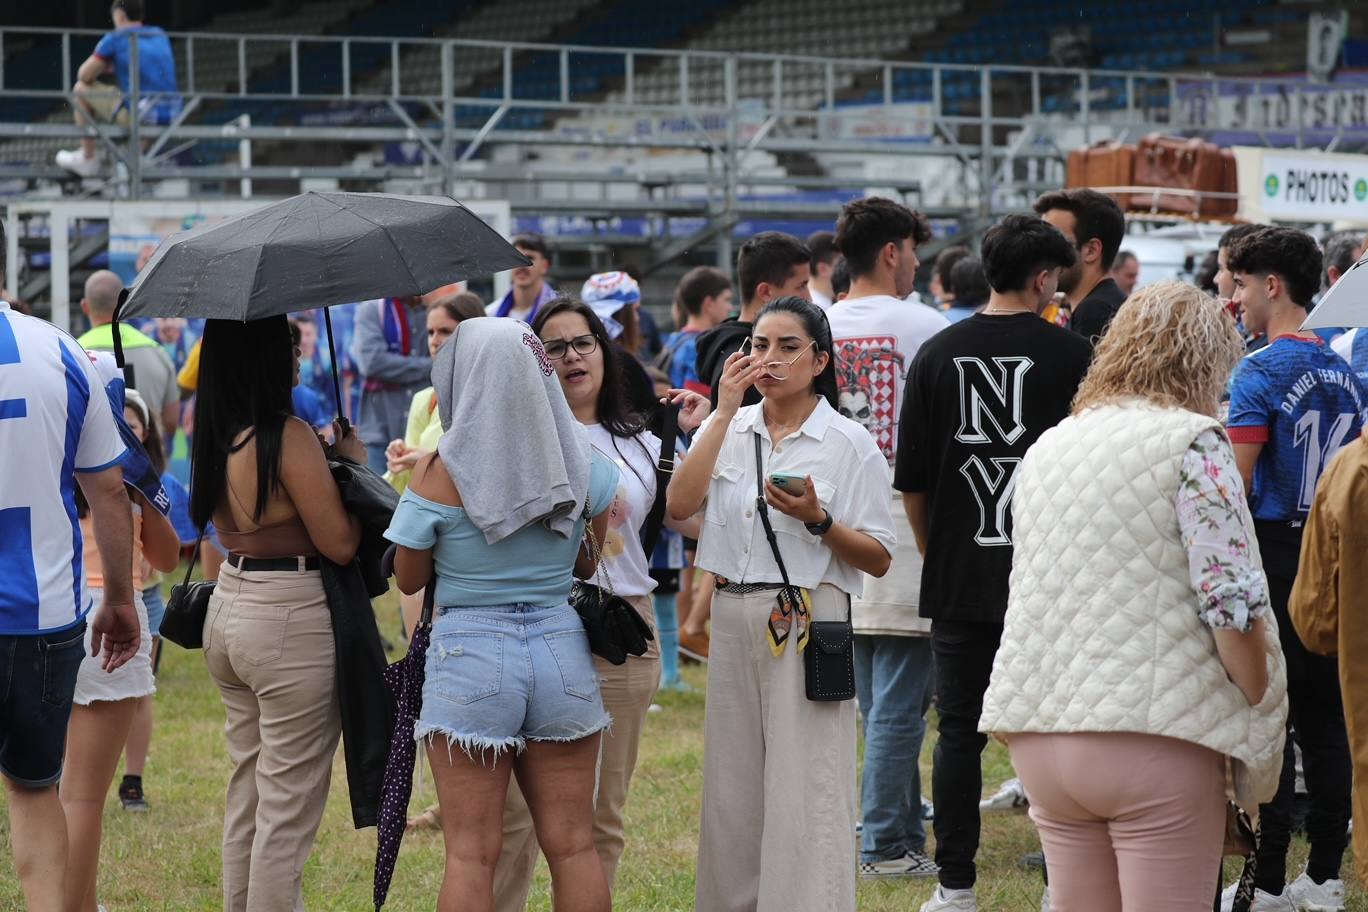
<point>613,627</point>
<point>183,622</point>
<point>829,659</point>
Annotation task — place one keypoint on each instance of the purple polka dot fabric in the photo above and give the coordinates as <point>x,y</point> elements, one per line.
<point>405,681</point>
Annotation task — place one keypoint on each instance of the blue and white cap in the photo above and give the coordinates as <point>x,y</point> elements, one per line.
<point>607,293</point>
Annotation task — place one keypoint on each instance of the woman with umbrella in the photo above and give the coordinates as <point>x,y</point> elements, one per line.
<point>509,684</point>
<point>261,476</point>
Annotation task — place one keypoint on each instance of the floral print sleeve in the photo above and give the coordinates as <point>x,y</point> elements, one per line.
<point>1215,527</point>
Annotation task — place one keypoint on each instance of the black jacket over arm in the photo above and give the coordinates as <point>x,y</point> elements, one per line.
<point>366,706</point>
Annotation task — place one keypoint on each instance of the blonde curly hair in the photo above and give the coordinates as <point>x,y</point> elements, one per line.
<point>1171,344</point>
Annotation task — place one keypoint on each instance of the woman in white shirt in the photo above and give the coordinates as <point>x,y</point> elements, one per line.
<point>590,368</point>
<point>778,769</point>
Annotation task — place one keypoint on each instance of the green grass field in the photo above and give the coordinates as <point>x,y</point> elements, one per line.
<point>168,859</point>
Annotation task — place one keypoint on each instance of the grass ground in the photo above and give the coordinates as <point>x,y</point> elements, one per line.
<point>169,860</point>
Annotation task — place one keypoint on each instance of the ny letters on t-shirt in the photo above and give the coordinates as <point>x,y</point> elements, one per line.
<point>991,412</point>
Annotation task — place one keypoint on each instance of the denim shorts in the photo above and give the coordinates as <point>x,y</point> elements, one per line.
<point>500,676</point>
<point>156,608</point>
<point>37,681</point>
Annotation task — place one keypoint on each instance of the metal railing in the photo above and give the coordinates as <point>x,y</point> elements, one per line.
<point>727,104</point>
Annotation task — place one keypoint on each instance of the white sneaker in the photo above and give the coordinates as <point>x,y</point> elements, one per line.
<point>1010,798</point>
<point>73,160</point>
<point>1309,896</point>
<point>1045,900</point>
<point>1263,902</point>
<point>944,900</point>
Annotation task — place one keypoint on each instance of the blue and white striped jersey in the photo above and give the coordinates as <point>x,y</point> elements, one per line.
<point>55,421</point>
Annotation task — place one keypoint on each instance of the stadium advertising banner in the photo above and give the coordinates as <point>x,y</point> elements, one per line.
<point>1275,111</point>
<point>1314,187</point>
<point>1290,186</point>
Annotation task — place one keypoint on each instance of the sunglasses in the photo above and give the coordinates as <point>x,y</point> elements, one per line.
<point>583,345</point>
<point>779,370</point>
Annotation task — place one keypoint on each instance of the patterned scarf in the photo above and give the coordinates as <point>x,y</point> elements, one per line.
<point>398,335</point>
<point>790,606</point>
<point>394,321</point>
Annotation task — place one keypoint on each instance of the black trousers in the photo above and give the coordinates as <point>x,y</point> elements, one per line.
<point>1317,716</point>
<point>964,661</point>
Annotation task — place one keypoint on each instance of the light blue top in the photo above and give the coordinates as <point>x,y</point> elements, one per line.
<point>533,566</point>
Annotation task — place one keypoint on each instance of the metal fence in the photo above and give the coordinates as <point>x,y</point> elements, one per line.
<point>457,97</point>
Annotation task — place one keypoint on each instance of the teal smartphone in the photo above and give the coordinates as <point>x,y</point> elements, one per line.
<point>795,485</point>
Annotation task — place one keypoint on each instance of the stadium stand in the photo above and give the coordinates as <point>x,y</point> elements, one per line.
<point>215,65</point>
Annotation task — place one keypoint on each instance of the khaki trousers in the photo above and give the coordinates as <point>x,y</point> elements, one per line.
<point>627,693</point>
<point>268,642</point>
<point>778,823</point>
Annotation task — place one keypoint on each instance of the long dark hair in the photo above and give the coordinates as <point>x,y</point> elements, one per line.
<point>815,323</point>
<point>245,381</point>
<point>615,412</point>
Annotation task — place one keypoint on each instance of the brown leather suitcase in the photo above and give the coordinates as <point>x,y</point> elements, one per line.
<point>1226,207</point>
<point>1185,164</point>
<point>1107,163</point>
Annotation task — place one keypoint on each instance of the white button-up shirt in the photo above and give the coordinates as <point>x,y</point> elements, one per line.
<point>852,481</point>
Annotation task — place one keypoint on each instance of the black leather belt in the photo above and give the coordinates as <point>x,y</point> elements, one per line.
<point>269,564</point>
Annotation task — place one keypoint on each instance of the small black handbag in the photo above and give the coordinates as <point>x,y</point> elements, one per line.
<point>183,622</point>
<point>614,628</point>
<point>829,657</point>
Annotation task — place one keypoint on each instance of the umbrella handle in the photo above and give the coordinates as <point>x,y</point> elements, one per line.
<point>342,422</point>
<point>118,333</point>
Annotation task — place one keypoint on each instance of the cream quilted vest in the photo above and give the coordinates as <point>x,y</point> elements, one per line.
<point>1102,628</point>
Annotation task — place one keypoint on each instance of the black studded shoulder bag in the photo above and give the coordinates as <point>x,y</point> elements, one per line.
<point>829,657</point>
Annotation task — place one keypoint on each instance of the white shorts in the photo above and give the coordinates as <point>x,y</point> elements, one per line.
<point>130,680</point>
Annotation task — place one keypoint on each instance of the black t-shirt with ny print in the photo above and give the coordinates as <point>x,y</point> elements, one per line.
<point>979,393</point>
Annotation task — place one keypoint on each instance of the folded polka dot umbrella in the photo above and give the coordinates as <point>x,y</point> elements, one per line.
<point>404,678</point>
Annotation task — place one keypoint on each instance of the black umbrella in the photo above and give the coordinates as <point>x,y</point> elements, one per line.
<point>316,249</point>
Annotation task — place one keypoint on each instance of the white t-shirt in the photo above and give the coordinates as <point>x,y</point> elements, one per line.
<point>876,338</point>
<point>55,420</point>
<point>820,299</point>
<point>624,561</point>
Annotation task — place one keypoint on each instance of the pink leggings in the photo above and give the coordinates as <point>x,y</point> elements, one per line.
<point>1129,823</point>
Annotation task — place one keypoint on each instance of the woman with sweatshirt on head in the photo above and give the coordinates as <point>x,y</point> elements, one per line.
<point>510,686</point>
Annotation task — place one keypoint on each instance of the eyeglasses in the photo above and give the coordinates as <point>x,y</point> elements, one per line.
<point>779,370</point>
<point>583,345</point>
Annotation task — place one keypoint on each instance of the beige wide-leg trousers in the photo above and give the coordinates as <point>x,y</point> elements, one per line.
<point>268,642</point>
<point>778,823</point>
<point>627,693</point>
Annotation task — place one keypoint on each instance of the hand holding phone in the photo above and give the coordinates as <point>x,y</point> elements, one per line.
<point>794,485</point>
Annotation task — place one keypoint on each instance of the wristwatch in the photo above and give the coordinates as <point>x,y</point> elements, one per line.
<point>820,528</point>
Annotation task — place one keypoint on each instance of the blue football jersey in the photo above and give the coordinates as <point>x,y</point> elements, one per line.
<point>1303,403</point>
<point>1353,347</point>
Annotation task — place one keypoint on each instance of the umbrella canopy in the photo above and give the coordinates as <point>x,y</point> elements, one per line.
<point>1346,303</point>
<point>317,249</point>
